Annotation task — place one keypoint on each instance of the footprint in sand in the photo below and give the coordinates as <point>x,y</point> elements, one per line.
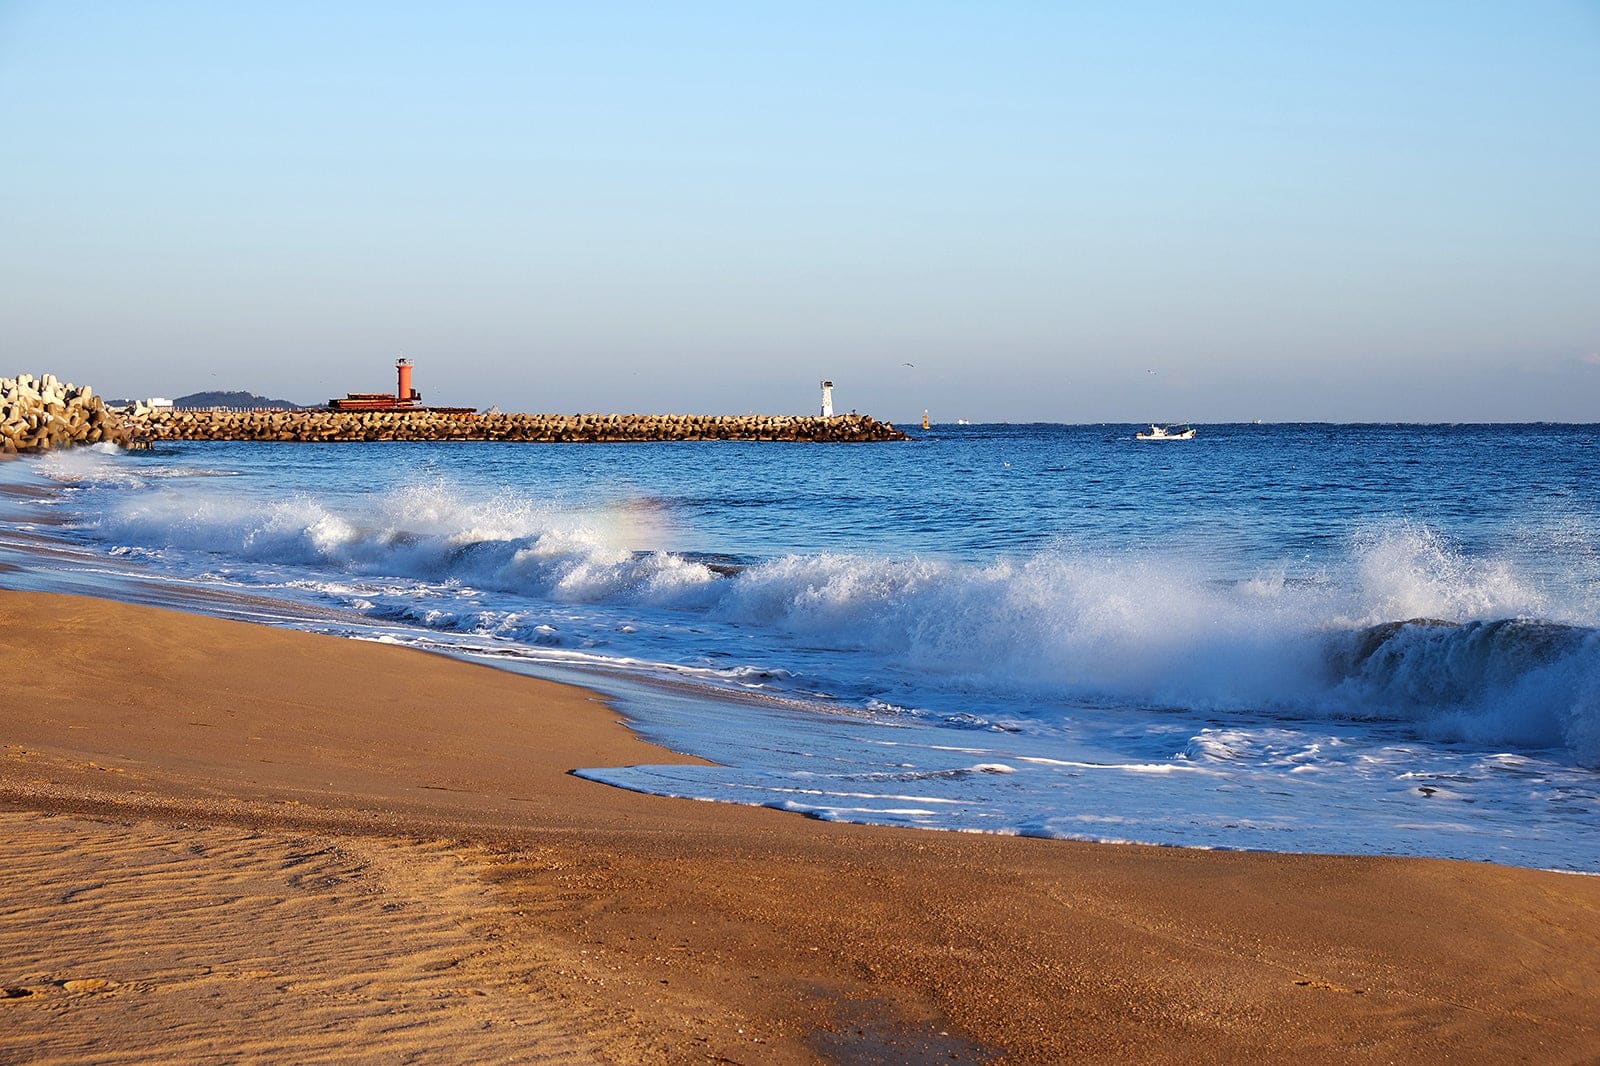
<point>251,975</point>
<point>88,984</point>
<point>1329,986</point>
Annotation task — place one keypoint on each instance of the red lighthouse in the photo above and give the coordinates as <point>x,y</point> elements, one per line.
<point>405,398</point>
<point>403,391</point>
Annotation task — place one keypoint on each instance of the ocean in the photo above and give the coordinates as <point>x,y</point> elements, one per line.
<point>1373,639</point>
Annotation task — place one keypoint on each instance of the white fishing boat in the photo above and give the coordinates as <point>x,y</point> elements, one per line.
<point>1166,433</point>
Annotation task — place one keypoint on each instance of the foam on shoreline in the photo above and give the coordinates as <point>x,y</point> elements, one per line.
<point>1229,719</point>
<point>243,834</point>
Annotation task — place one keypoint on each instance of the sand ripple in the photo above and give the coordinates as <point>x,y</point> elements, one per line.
<point>305,949</point>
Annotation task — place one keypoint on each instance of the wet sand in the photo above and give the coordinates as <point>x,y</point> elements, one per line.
<point>224,841</point>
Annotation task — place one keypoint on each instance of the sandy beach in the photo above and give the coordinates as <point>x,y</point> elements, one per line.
<point>226,842</point>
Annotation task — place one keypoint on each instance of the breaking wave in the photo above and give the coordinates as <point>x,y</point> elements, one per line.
<point>1491,657</point>
<point>1516,681</point>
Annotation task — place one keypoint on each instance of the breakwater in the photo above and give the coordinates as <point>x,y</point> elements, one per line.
<point>332,426</point>
<point>37,414</point>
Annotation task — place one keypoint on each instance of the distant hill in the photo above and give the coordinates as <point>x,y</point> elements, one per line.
<point>232,399</point>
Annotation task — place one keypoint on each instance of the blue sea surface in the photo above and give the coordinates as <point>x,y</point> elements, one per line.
<point>1370,639</point>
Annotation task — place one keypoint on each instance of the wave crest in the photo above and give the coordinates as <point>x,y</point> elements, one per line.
<point>1521,681</point>
<point>1047,629</point>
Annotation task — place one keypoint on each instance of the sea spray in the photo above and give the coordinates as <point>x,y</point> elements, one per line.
<point>1055,626</point>
<point>1515,681</point>
<point>1210,646</point>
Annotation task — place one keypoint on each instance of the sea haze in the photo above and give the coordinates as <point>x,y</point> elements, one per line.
<point>1367,639</point>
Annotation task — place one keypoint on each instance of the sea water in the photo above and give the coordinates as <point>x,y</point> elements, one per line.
<point>1363,639</point>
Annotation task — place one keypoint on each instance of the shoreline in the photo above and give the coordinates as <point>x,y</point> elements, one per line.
<point>584,922</point>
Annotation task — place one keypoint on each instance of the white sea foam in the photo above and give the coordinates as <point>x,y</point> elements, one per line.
<point>1150,628</point>
<point>1249,675</point>
<point>106,464</point>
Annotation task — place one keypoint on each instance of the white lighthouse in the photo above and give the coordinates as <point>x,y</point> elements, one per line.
<point>827,399</point>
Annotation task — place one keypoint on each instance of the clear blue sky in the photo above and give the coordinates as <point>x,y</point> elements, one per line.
<point>1056,211</point>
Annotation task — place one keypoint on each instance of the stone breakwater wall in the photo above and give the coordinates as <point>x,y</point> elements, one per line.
<point>37,414</point>
<point>322,425</point>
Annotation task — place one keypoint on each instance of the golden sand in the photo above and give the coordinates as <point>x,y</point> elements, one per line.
<point>224,842</point>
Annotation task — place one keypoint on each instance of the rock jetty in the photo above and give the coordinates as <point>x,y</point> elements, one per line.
<point>313,425</point>
<point>37,414</point>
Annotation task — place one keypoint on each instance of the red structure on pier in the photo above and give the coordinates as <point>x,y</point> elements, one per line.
<point>405,398</point>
